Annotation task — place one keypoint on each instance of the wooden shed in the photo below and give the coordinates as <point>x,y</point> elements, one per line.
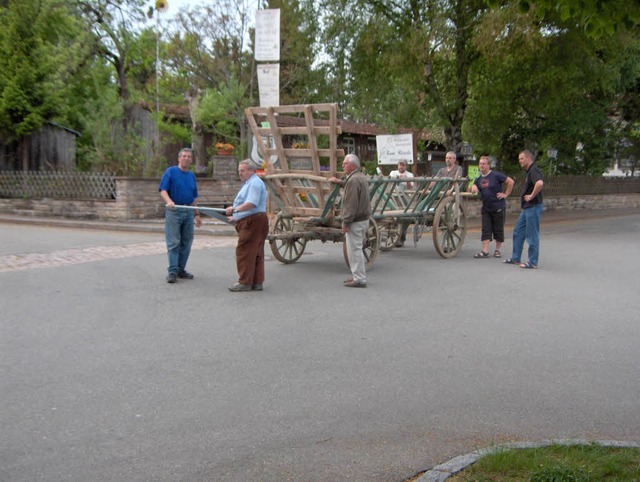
<point>52,147</point>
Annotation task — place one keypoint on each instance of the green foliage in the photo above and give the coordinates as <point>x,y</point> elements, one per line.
<point>298,29</point>
<point>406,64</point>
<point>40,52</point>
<point>174,131</point>
<point>515,101</point>
<point>503,75</point>
<point>369,167</point>
<point>221,110</point>
<point>104,145</point>
<point>597,18</point>
<point>114,25</point>
<point>141,71</point>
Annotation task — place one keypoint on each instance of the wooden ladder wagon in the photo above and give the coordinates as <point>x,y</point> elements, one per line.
<point>432,203</point>
<point>298,145</point>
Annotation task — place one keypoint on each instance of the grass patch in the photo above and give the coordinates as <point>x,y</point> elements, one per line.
<point>556,463</point>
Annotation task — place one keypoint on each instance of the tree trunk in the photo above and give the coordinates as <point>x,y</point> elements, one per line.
<point>25,152</point>
<point>197,136</point>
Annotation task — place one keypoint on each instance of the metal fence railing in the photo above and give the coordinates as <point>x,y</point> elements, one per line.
<point>57,185</point>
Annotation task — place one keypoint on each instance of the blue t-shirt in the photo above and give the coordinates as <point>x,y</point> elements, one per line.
<point>180,185</point>
<point>254,191</point>
<point>489,186</point>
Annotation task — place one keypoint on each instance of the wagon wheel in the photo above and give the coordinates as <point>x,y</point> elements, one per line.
<point>388,236</point>
<point>370,247</point>
<point>418,228</point>
<point>288,250</point>
<point>449,227</point>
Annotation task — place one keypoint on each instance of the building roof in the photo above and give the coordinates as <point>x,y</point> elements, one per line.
<point>181,112</point>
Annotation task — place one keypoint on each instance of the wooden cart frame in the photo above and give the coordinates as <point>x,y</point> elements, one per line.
<point>305,205</point>
<point>433,204</point>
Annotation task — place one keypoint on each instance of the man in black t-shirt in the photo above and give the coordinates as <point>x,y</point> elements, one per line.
<point>527,227</point>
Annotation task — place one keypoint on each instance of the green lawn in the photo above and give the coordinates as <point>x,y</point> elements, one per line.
<point>556,463</point>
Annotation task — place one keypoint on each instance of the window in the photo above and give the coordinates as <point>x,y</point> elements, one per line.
<point>349,145</point>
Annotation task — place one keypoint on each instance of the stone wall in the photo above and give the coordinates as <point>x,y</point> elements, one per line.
<point>139,199</point>
<point>136,198</point>
<point>566,203</point>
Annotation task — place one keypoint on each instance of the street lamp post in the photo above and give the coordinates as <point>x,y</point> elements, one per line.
<point>161,6</point>
<point>466,150</point>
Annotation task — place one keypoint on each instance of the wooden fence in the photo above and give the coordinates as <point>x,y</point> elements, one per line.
<point>57,185</point>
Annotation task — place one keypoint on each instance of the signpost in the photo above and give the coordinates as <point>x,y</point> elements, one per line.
<point>394,148</point>
<point>267,48</point>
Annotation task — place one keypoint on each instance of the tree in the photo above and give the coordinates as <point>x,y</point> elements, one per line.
<point>206,55</point>
<point>542,84</point>
<point>41,49</point>
<point>597,18</point>
<point>114,26</point>
<point>425,59</point>
<point>298,31</point>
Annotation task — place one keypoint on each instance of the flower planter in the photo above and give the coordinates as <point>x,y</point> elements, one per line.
<point>222,152</point>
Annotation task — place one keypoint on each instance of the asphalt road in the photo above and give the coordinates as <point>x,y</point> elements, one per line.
<point>109,373</point>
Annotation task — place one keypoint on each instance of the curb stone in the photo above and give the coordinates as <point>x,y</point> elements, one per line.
<point>443,471</point>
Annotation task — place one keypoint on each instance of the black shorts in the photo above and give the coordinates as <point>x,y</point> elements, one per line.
<point>493,225</point>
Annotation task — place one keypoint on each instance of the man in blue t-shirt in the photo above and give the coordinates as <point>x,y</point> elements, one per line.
<point>491,186</point>
<point>178,186</point>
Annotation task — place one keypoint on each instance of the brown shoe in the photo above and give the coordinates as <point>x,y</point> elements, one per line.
<point>355,284</point>
<point>239,287</point>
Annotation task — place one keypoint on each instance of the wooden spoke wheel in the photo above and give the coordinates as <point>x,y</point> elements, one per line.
<point>388,236</point>
<point>286,250</point>
<point>370,246</point>
<point>418,228</point>
<point>449,227</point>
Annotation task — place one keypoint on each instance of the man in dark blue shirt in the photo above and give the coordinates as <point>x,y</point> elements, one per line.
<point>527,227</point>
<point>178,186</point>
<point>490,185</point>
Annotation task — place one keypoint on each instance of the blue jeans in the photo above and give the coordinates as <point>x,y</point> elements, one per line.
<point>178,232</point>
<point>527,229</point>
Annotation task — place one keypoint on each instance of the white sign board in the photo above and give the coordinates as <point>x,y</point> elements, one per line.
<point>269,84</point>
<point>392,149</point>
<point>267,35</point>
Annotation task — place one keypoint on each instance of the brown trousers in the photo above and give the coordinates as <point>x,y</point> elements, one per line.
<point>252,233</point>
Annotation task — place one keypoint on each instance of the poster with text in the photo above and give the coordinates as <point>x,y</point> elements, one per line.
<point>473,173</point>
<point>268,35</point>
<point>394,148</point>
<point>269,84</point>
